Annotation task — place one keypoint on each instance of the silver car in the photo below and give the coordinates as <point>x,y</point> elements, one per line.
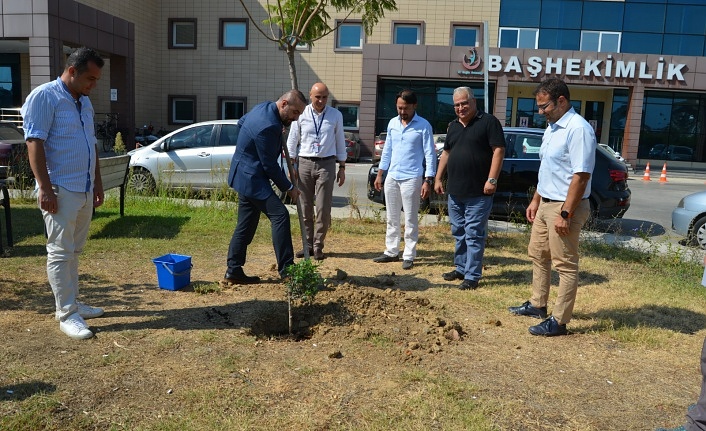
<point>689,218</point>
<point>196,156</point>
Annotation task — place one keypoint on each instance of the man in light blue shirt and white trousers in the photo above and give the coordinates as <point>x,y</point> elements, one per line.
<point>61,143</point>
<point>408,157</point>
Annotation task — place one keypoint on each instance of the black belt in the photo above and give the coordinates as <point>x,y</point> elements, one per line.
<point>545,200</point>
<point>317,158</point>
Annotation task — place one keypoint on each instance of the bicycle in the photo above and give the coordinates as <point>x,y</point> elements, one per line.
<point>106,131</point>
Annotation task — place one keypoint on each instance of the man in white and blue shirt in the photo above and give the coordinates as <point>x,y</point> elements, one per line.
<point>61,143</point>
<point>408,157</point>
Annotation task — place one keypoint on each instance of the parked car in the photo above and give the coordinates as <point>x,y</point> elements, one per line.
<point>689,219</point>
<point>439,141</point>
<point>610,194</point>
<point>656,151</point>
<point>352,146</point>
<point>196,156</point>
<point>613,152</point>
<point>679,153</point>
<point>14,161</point>
<point>379,143</point>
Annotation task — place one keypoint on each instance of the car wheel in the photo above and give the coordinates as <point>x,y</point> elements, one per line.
<point>698,233</point>
<point>141,181</point>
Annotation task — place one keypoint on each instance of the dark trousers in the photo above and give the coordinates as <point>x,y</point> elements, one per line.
<point>696,417</point>
<point>249,211</point>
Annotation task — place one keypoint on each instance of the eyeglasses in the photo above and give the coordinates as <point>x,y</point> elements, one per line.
<point>545,106</point>
<point>462,104</point>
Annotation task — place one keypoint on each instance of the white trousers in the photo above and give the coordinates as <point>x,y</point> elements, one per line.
<point>67,232</point>
<point>402,195</point>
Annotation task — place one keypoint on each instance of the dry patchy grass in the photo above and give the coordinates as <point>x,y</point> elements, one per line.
<point>379,349</point>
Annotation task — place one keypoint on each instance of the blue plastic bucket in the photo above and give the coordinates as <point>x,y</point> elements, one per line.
<point>173,271</point>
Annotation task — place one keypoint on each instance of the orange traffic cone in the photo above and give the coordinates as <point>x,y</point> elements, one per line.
<point>663,177</point>
<point>646,177</point>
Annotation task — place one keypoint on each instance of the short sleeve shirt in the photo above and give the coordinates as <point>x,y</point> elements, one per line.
<point>470,151</point>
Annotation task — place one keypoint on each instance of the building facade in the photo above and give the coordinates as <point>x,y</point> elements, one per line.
<point>636,68</point>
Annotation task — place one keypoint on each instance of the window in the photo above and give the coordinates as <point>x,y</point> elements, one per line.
<point>349,36</point>
<point>234,34</point>
<point>644,18</point>
<point>407,34</point>
<point>568,40</point>
<point>600,41</point>
<point>231,108</point>
<point>519,38</point>
<point>182,33</point>
<point>683,19</point>
<point>182,109</point>
<point>520,13</point>
<point>683,44</point>
<point>641,43</point>
<point>465,35</point>
<point>193,137</point>
<point>350,115</point>
<point>603,15</point>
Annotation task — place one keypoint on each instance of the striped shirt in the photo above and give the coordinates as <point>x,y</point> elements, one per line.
<point>65,125</point>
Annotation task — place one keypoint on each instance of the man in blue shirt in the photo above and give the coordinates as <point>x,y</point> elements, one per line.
<point>59,130</point>
<point>254,164</point>
<point>408,153</point>
<point>559,207</point>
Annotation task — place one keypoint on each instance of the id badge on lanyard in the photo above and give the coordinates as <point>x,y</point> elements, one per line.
<point>316,146</point>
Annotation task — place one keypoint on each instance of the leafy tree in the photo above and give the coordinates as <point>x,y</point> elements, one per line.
<point>292,22</point>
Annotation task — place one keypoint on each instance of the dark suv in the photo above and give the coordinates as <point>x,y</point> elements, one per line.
<point>610,195</point>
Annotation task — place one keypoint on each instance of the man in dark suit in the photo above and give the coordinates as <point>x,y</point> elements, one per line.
<point>254,164</point>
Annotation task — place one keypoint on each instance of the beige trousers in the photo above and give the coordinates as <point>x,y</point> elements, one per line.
<point>547,248</point>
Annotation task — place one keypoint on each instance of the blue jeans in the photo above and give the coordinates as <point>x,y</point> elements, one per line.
<point>469,221</point>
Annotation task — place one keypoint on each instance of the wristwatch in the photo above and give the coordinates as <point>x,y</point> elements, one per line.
<point>429,181</point>
<point>493,181</point>
<point>565,214</point>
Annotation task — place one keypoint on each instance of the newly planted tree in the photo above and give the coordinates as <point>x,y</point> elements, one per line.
<point>303,282</point>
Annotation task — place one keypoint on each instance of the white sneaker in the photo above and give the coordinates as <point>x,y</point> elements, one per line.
<point>85,311</point>
<point>75,327</point>
<point>88,312</point>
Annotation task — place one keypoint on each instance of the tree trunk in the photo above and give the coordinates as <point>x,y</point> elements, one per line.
<point>292,67</point>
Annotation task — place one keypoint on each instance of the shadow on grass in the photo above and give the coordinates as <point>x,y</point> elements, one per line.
<point>157,227</point>
<point>262,318</point>
<point>22,391</point>
<point>651,316</point>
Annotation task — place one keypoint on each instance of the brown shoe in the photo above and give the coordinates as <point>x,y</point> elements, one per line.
<point>319,255</point>
<point>300,253</point>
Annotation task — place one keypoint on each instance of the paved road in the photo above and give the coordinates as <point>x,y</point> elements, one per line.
<point>647,224</point>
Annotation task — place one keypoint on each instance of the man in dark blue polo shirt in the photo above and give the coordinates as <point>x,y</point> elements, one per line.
<point>473,153</point>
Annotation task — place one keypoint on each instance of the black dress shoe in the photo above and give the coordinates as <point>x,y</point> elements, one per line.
<point>300,253</point>
<point>383,258</point>
<point>451,276</point>
<point>239,278</point>
<point>468,285</point>
<point>548,328</point>
<point>527,309</point>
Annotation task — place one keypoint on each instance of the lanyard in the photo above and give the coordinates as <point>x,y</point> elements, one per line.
<point>317,128</point>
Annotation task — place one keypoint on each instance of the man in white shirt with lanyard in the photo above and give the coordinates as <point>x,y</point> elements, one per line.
<point>316,138</point>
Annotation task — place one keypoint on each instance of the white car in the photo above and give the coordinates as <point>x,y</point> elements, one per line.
<point>531,144</point>
<point>439,141</point>
<point>689,219</point>
<point>196,156</point>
